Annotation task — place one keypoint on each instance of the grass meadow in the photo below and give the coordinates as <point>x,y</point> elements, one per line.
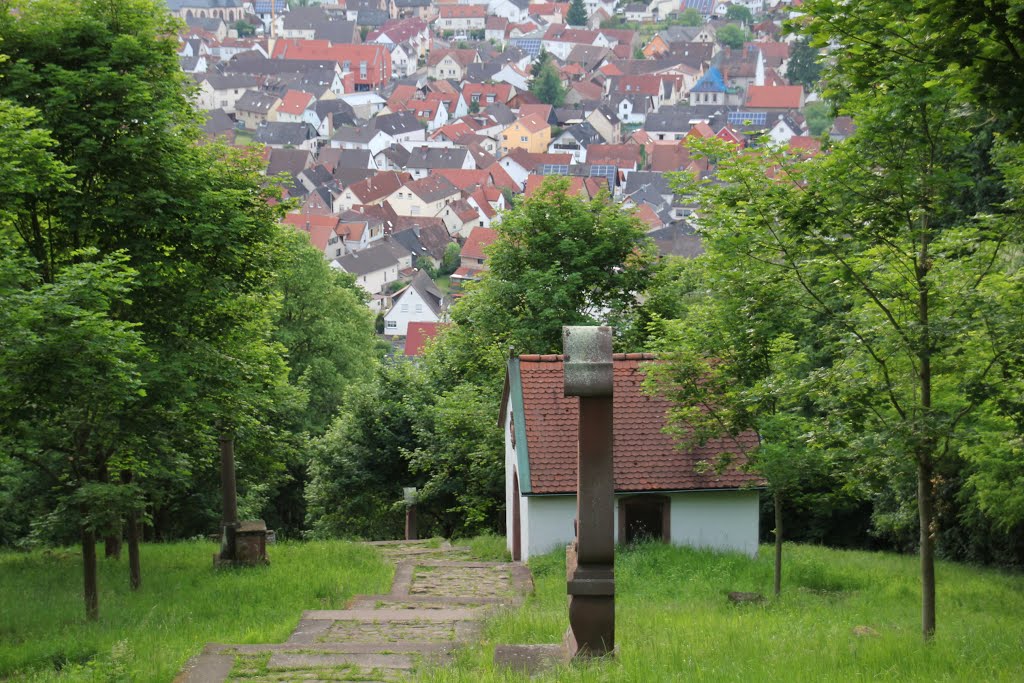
<point>674,622</point>
<point>182,605</point>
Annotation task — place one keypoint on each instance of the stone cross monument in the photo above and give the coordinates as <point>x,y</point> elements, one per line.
<point>590,559</point>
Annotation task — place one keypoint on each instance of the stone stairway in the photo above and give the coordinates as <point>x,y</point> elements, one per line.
<point>438,599</point>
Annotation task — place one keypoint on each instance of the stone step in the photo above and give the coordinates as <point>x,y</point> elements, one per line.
<point>378,616</point>
<point>424,602</point>
<point>429,650</point>
<point>320,660</point>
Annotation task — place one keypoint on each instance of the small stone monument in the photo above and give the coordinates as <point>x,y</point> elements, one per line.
<point>590,559</point>
<point>241,543</point>
<point>409,494</point>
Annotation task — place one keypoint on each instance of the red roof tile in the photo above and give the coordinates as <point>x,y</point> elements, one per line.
<point>477,240</point>
<point>646,459</point>
<point>775,96</point>
<point>418,334</point>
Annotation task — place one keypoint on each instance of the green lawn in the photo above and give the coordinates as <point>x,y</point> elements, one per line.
<point>674,622</point>
<point>182,605</point>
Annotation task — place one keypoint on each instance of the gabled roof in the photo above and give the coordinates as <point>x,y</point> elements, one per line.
<point>775,97</point>
<point>318,227</point>
<point>432,188</point>
<point>533,123</point>
<point>546,423</point>
<point>256,102</point>
<point>294,102</point>
<point>427,290</point>
<point>437,157</point>
<point>418,334</point>
<point>621,156</point>
<point>383,254</point>
<point>379,186</point>
<point>284,133</point>
<point>478,239</point>
<point>463,11</point>
<point>711,81</point>
<point>531,160</point>
<point>397,123</point>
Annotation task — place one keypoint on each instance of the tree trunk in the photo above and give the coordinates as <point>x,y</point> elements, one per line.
<point>112,546</point>
<point>134,566</point>
<point>926,516</point>
<point>777,501</point>
<point>92,597</point>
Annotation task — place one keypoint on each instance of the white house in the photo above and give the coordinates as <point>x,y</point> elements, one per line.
<point>375,266</point>
<point>662,491</point>
<point>420,302</point>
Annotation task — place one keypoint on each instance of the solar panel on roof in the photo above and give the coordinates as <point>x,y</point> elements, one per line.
<point>554,169</point>
<point>702,6</point>
<point>530,46</point>
<point>740,118</point>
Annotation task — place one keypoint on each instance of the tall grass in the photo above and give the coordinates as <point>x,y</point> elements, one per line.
<point>183,604</point>
<point>674,622</point>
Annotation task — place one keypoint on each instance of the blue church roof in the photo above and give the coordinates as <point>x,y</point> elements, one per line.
<point>711,81</point>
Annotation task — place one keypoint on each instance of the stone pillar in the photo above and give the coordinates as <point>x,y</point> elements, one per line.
<point>409,495</point>
<point>590,559</point>
<point>229,499</point>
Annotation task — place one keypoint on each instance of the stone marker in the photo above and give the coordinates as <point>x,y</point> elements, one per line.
<point>241,543</point>
<point>409,494</point>
<point>590,559</point>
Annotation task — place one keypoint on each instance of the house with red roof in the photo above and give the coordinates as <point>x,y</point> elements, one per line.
<point>775,97</point>
<point>370,65</point>
<point>293,106</point>
<point>474,260</point>
<point>460,18</point>
<point>678,495</point>
<point>418,334</point>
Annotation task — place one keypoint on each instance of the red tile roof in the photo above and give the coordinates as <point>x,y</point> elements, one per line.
<point>294,102</point>
<point>646,459</point>
<point>418,334</point>
<point>463,11</point>
<point>775,96</point>
<point>477,240</point>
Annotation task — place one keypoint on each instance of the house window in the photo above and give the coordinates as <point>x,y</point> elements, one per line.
<point>405,308</point>
<point>391,324</point>
<point>419,308</point>
<point>362,69</point>
<point>346,65</point>
<point>414,210</point>
<point>522,138</point>
<point>337,252</point>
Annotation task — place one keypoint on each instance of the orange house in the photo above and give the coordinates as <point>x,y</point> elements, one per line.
<point>529,132</point>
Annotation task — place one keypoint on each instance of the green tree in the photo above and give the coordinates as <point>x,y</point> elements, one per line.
<point>244,28</point>
<point>919,327</point>
<point>461,456</point>
<point>732,36</point>
<point>543,58</point>
<point>327,328</point>
<point>359,467</point>
<point>193,224</point>
<point>547,86</point>
<point>804,65</point>
<point>577,15</point>
<point>558,260</point>
<point>739,13</point>
<point>819,117</point>
<point>690,17</point>
<point>71,372</point>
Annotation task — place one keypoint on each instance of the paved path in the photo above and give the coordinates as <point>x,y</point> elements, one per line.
<point>437,601</point>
